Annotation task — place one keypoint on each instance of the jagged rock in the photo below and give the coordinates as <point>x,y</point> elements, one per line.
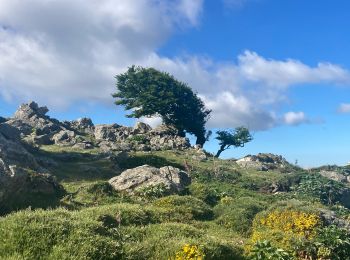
<point>333,175</point>
<point>141,128</point>
<point>45,139</point>
<point>83,125</point>
<point>131,180</point>
<point>27,111</point>
<point>64,137</point>
<point>107,132</point>
<point>21,183</point>
<point>164,130</point>
<point>13,153</point>
<point>199,155</point>
<point>84,145</point>
<point>10,132</point>
<point>264,162</point>
<point>30,118</point>
<point>2,119</point>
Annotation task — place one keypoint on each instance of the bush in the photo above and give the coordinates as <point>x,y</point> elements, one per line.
<point>238,214</point>
<point>163,241</point>
<point>185,208</point>
<point>56,234</point>
<point>98,193</point>
<point>285,228</point>
<point>330,243</point>
<point>321,188</point>
<point>264,250</point>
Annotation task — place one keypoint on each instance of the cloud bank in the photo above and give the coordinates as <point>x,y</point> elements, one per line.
<point>61,52</point>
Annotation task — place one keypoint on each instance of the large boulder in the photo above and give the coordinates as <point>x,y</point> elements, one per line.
<point>30,118</point>
<point>172,179</point>
<point>112,132</point>
<point>22,182</point>
<point>82,125</point>
<point>141,128</point>
<point>334,175</point>
<point>65,137</point>
<point>264,162</point>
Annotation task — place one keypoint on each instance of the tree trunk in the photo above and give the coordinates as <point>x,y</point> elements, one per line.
<point>222,148</point>
<point>200,140</point>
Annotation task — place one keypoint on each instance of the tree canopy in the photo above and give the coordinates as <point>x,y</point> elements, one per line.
<point>237,138</point>
<point>149,92</point>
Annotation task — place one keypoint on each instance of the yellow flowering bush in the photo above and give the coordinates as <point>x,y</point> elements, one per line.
<point>284,227</point>
<point>190,252</point>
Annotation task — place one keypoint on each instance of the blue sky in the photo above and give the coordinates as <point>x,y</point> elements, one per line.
<point>281,68</point>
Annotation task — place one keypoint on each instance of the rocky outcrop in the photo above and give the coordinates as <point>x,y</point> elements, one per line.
<point>265,162</point>
<point>35,127</point>
<point>21,182</point>
<point>330,218</point>
<point>334,175</point>
<point>30,118</point>
<point>139,138</point>
<point>172,179</point>
<point>82,125</point>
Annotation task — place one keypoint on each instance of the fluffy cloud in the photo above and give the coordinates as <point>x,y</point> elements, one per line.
<point>295,118</point>
<point>60,52</point>
<point>344,108</point>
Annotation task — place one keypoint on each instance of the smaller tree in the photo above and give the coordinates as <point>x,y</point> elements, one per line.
<point>237,138</point>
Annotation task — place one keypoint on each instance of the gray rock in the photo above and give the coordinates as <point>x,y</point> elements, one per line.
<point>82,125</point>
<point>199,155</point>
<point>45,139</point>
<point>264,162</point>
<point>330,218</point>
<point>83,145</point>
<point>30,118</point>
<point>141,128</point>
<point>131,180</point>
<point>333,175</point>
<point>10,132</point>
<point>64,137</point>
<point>106,132</point>
<point>21,182</point>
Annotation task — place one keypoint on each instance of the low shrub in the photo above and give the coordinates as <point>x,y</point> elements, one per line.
<point>185,208</point>
<point>320,188</point>
<point>238,213</point>
<point>284,228</point>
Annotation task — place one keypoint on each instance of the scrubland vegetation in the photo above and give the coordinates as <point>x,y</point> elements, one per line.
<point>226,213</point>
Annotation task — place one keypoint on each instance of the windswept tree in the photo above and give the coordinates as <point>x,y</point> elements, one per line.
<point>147,92</point>
<point>237,138</point>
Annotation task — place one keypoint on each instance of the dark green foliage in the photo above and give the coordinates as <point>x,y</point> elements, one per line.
<point>321,188</point>
<point>238,213</point>
<point>263,250</point>
<point>149,92</point>
<point>330,242</point>
<point>237,138</point>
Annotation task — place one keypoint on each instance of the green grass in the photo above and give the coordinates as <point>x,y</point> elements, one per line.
<point>95,222</point>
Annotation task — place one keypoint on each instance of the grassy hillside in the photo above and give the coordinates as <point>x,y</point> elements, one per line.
<point>227,212</point>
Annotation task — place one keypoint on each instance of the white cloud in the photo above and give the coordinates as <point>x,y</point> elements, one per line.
<point>152,121</point>
<point>281,74</point>
<point>344,108</point>
<point>60,52</point>
<point>295,118</point>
